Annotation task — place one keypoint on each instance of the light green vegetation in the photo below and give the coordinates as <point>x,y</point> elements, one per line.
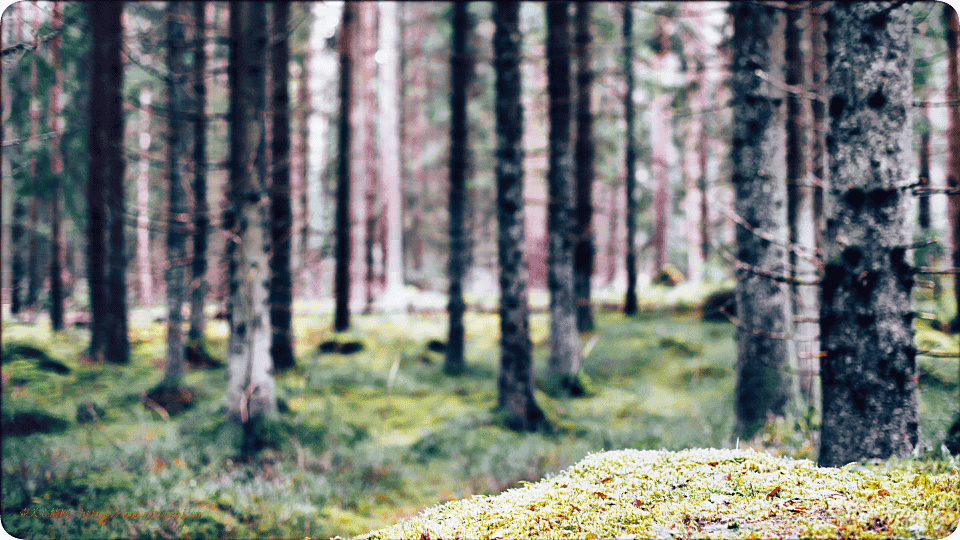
<point>703,493</point>
<point>373,438</point>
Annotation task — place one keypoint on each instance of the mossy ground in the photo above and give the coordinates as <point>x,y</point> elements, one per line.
<point>374,437</point>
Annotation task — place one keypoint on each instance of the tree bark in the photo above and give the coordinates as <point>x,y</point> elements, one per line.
<point>201,221</point>
<point>661,132</point>
<point>364,118</point>
<point>33,207</point>
<point>56,169</point>
<point>281,218</point>
<point>515,382</point>
<point>630,303</point>
<point>800,211</point>
<point>461,63</point>
<point>175,274</point>
<point>108,340</point>
<point>144,274</point>
<point>250,393</point>
<point>765,383</point>
<point>390,156</point>
<point>342,277</point>
<point>564,359</point>
<point>583,233</point>
<point>953,137</point>
<point>923,201</point>
<point>868,366</point>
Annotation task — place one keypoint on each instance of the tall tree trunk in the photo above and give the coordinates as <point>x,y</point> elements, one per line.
<point>144,274</point>
<point>953,137</point>
<point>583,158</point>
<point>108,339</point>
<point>661,134</point>
<point>56,169</point>
<point>923,202</point>
<point>175,274</point>
<point>461,63</point>
<point>564,338</point>
<point>800,217</point>
<point>630,304</point>
<point>281,218</point>
<point>364,119</point>
<point>16,231</point>
<point>201,220</point>
<point>868,369</point>
<point>310,261</point>
<point>33,211</point>
<point>344,242</point>
<point>515,382</point>
<point>765,384</point>
<point>818,52</point>
<point>390,153</point>
<point>250,394</point>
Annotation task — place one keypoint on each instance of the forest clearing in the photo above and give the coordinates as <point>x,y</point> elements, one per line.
<point>480,269</point>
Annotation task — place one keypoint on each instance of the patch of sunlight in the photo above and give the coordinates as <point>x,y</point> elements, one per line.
<point>702,492</point>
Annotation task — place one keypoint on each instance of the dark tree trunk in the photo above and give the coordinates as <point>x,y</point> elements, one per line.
<point>341,320</point>
<point>868,368</point>
<point>108,339</point>
<point>201,222</point>
<point>250,394</point>
<point>175,274</point>
<point>764,380</point>
<point>564,338</point>
<point>583,158</point>
<point>281,218</point>
<point>923,202</point>
<point>630,304</point>
<point>953,137</point>
<point>515,383</point>
<point>460,67</point>
<point>56,169</point>
<point>818,52</point>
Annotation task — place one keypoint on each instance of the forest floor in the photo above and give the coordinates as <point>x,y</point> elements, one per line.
<point>370,438</point>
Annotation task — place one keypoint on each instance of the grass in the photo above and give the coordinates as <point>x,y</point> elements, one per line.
<point>372,438</point>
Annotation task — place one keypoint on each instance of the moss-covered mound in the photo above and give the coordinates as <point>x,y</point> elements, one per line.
<point>703,493</point>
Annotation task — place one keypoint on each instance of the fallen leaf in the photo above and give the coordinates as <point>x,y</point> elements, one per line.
<point>773,492</point>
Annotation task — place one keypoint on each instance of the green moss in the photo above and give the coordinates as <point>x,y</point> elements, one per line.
<point>702,492</point>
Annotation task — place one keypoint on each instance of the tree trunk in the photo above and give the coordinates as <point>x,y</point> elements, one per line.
<point>800,217</point>
<point>281,218</point>
<point>583,158</point>
<point>630,304</point>
<point>868,368</point>
<point>515,382</point>
<point>661,134</point>
<point>923,202</point>
<point>461,63</point>
<point>201,221</point>
<point>33,208</point>
<point>818,52</point>
<point>364,119</point>
<point>342,278</point>
<point>953,137</point>
<point>564,338</point>
<point>108,338</point>
<point>390,155</point>
<point>144,274</point>
<point>250,394</point>
<point>765,384</point>
<point>56,169</point>
<point>175,274</point>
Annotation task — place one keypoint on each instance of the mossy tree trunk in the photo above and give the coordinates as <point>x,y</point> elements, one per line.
<point>515,382</point>
<point>868,365</point>
<point>175,274</point>
<point>250,395</point>
<point>764,380</point>
<point>564,338</point>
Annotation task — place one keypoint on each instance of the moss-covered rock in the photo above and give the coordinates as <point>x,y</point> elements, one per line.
<point>702,493</point>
